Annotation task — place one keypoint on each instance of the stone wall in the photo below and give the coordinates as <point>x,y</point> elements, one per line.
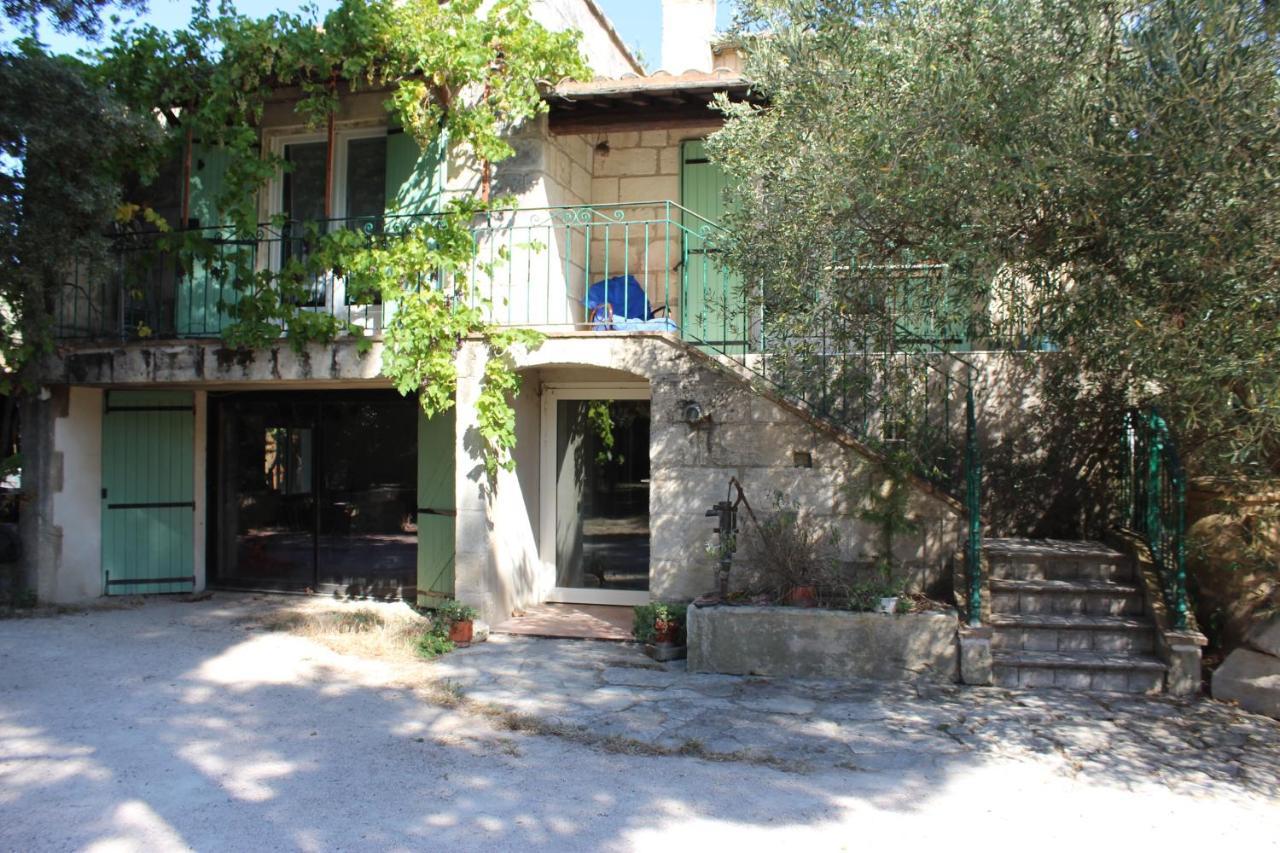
<point>799,643</point>
<point>765,444</point>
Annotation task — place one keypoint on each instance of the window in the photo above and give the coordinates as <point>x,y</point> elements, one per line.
<point>358,198</point>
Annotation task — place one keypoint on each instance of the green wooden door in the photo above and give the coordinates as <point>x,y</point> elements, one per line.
<point>436,507</point>
<point>207,290</point>
<point>712,307</point>
<point>148,495</point>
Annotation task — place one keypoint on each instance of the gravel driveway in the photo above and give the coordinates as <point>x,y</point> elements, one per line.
<point>183,726</point>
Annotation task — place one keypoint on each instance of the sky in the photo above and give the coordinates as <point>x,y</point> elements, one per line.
<point>638,22</point>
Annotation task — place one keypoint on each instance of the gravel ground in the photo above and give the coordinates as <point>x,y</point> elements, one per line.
<point>186,726</point>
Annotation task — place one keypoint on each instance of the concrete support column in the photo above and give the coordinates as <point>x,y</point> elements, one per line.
<point>62,484</point>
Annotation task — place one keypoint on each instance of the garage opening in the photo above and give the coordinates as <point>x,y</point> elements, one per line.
<point>318,492</point>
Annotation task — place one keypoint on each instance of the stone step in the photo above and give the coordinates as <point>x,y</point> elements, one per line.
<point>1048,632</point>
<point>1063,597</point>
<point>1112,673</point>
<point>1054,559</point>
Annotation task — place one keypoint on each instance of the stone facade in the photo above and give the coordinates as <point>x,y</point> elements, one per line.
<point>747,435</point>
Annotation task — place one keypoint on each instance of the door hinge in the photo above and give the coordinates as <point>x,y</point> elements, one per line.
<point>104,494</point>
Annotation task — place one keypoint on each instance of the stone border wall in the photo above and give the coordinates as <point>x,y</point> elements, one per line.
<point>800,643</point>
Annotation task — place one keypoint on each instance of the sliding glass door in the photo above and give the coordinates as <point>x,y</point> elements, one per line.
<point>317,492</point>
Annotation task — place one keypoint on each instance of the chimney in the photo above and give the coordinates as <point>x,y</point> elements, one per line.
<point>687,29</point>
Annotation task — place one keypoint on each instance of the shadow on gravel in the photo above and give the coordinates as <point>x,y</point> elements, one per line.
<point>179,724</point>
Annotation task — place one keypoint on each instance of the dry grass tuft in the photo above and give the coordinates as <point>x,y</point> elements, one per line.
<point>364,632</point>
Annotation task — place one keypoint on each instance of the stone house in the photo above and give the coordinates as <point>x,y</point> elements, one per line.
<point>170,462</point>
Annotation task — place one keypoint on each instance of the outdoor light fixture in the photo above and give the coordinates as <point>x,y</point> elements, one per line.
<point>693,413</point>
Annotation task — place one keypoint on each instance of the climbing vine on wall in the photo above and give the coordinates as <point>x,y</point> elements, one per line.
<point>448,70</point>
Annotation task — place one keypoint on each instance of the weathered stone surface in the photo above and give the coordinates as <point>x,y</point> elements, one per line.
<point>784,641</point>
<point>975,658</point>
<point>804,723</point>
<point>1251,679</point>
<point>1265,636</point>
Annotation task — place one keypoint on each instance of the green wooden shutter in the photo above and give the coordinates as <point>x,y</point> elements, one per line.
<point>208,284</point>
<point>148,492</point>
<point>415,178</point>
<point>712,309</point>
<point>436,507</point>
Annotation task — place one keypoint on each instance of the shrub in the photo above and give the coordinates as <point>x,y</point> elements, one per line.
<point>790,551</point>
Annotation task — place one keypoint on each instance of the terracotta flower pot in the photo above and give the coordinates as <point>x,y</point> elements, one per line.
<point>665,633</point>
<point>803,596</point>
<point>460,632</point>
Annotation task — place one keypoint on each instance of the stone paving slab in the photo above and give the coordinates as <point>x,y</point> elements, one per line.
<point>611,690</point>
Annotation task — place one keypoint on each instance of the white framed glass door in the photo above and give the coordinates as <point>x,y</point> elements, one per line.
<point>594,542</point>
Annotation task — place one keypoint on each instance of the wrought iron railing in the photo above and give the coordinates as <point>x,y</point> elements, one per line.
<point>1153,491</point>
<point>531,267</point>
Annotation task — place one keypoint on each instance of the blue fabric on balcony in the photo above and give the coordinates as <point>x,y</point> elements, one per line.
<point>620,304</point>
<point>622,292</point>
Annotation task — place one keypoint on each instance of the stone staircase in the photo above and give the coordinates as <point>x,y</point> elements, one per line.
<point>1070,615</point>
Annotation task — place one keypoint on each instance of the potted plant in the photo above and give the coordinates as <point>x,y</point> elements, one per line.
<point>459,620</point>
<point>660,627</point>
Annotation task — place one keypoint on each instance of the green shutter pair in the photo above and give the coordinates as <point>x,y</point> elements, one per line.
<point>414,184</point>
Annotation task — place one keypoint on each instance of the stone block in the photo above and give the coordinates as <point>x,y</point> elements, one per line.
<point>649,188</point>
<point>1265,636</point>
<point>669,161</point>
<point>1146,681</point>
<point>975,657</point>
<point>1110,681</point>
<point>1251,679</point>
<point>794,642</point>
<point>1184,675</point>
<point>628,161</point>
<point>1026,570</point>
<point>653,138</point>
<point>1033,602</point>
<point>1035,676</point>
<point>1006,676</point>
<point>604,190</point>
<point>1040,640</point>
<point>1005,602</point>
<point>623,139</point>
<point>1122,641</point>
<point>1068,604</point>
<point>1072,679</point>
<point>1075,641</point>
<point>581,183</point>
<point>1009,639</point>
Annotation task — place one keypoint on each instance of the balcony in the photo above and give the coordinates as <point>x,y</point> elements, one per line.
<point>631,267</point>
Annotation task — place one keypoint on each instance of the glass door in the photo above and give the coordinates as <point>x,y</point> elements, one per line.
<point>317,492</point>
<point>595,524</point>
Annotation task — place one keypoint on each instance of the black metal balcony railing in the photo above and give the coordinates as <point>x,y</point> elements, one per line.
<point>654,263</point>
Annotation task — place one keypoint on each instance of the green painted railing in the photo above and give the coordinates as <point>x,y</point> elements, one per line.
<point>1154,500</point>
<point>973,506</point>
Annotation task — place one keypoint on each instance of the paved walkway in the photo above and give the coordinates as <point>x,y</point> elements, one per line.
<point>612,695</point>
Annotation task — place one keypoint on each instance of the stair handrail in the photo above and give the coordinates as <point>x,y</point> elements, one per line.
<point>1154,498</point>
<point>973,506</point>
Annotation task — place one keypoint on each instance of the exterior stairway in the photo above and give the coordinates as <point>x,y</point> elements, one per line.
<point>1070,615</point>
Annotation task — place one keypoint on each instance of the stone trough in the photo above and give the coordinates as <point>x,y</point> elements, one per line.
<point>818,643</point>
